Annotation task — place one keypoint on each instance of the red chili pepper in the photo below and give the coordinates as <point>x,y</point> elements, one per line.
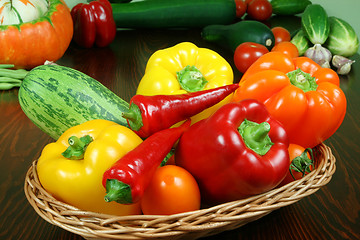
<point>237,152</point>
<point>127,179</point>
<point>93,23</point>
<point>149,114</point>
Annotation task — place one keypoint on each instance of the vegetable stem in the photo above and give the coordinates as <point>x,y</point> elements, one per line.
<point>191,79</point>
<point>118,191</point>
<point>77,147</point>
<point>256,136</point>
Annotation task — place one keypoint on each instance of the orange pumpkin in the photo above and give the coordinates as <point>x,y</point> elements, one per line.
<point>29,44</point>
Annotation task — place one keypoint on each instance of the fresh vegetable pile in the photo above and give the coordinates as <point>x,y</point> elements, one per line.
<point>334,39</point>
<point>190,135</point>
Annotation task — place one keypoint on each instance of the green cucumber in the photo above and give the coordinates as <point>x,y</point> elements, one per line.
<point>315,24</point>
<point>342,39</point>
<point>173,13</point>
<point>301,42</point>
<point>231,36</point>
<point>289,7</point>
<point>56,98</point>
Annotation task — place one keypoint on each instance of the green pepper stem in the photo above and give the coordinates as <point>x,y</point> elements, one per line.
<point>77,147</point>
<point>256,136</point>
<point>191,79</point>
<point>118,191</point>
<point>302,80</point>
<point>134,117</point>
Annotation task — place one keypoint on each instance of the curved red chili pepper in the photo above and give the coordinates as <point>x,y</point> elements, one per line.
<point>127,179</point>
<point>149,114</point>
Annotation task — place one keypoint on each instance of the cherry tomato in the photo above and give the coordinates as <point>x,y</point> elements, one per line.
<point>171,190</point>
<point>240,8</point>
<point>295,151</point>
<point>286,47</point>
<point>281,34</point>
<point>247,53</point>
<point>259,10</point>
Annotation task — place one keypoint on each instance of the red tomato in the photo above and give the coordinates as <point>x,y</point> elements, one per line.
<point>296,150</point>
<point>247,53</point>
<point>171,190</point>
<point>240,8</point>
<point>281,34</point>
<point>286,47</point>
<point>259,9</point>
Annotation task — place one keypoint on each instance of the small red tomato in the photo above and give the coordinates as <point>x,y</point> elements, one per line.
<point>259,10</point>
<point>171,190</point>
<point>240,8</point>
<point>281,34</point>
<point>301,163</point>
<point>247,53</point>
<point>287,48</point>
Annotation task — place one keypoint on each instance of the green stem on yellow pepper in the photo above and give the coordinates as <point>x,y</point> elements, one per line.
<point>302,80</point>
<point>191,79</point>
<point>77,147</point>
<point>256,136</point>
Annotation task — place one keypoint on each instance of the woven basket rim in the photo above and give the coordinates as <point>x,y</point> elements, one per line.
<point>188,225</point>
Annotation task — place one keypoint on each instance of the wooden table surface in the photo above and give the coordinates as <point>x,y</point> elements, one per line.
<point>333,212</point>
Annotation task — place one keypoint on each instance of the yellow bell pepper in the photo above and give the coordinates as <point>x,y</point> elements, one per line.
<point>186,68</point>
<point>71,169</point>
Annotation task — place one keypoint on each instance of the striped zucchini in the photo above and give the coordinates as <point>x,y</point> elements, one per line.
<point>56,98</point>
<point>315,23</point>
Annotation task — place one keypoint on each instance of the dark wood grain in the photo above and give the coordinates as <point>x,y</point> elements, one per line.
<point>331,213</point>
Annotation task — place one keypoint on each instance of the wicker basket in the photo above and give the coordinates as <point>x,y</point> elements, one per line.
<point>189,225</point>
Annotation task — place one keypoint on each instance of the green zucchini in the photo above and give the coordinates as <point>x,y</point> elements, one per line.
<point>342,39</point>
<point>173,13</point>
<point>231,36</point>
<point>289,7</point>
<point>56,98</point>
<point>315,24</point>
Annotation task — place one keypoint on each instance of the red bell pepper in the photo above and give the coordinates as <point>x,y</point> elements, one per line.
<point>149,114</point>
<point>127,179</point>
<point>93,23</point>
<point>237,152</point>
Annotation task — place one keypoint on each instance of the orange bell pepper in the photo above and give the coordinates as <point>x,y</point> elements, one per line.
<point>299,93</point>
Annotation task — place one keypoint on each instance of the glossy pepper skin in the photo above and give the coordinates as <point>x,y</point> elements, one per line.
<point>185,68</point>
<point>93,23</point>
<point>76,178</point>
<point>126,180</point>
<point>237,152</point>
<point>150,114</point>
<point>303,96</point>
